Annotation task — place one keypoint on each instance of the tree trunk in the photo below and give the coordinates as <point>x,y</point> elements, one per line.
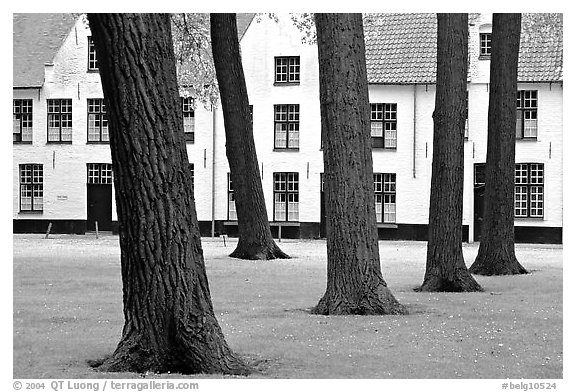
<point>355,284</point>
<point>445,267</point>
<point>496,255</point>
<point>254,236</point>
<point>169,318</point>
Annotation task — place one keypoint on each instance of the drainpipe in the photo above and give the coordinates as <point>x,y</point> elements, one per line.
<point>213,168</point>
<point>414,137</point>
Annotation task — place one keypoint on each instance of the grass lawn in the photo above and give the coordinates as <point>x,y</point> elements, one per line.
<point>68,309</point>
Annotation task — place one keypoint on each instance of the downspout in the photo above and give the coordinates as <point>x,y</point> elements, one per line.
<point>414,136</point>
<point>213,169</point>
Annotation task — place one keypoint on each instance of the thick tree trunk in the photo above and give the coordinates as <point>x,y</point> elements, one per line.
<point>355,284</point>
<point>496,255</point>
<point>169,319</point>
<point>254,236</point>
<point>445,267</point>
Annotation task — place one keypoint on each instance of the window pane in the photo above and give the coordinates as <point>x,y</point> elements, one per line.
<point>188,124</point>
<point>293,136</point>
<point>521,173</point>
<point>530,124</point>
<point>232,207</point>
<point>390,138</point>
<point>376,111</point>
<point>377,142</point>
<point>280,112</point>
<point>521,201</point>
<point>537,201</point>
<point>376,128</point>
<point>280,135</point>
<point>519,121</point>
<point>390,208</point>
<point>378,200</point>
<point>280,206</point>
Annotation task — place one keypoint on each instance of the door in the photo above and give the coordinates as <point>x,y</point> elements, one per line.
<point>99,196</point>
<point>99,207</point>
<point>479,189</point>
<point>322,208</point>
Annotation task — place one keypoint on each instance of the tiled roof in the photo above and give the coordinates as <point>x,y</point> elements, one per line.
<point>401,48</point>
<point>243,22</point>
<point>36,39</point>
<point>540,58</point>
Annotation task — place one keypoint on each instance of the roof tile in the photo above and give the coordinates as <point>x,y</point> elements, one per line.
<point>401,48</point>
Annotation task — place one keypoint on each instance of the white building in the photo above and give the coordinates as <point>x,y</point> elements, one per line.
<point>62,160</point>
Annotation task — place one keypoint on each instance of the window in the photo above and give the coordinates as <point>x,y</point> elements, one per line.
<point>479,174</point>
<point>31,187</point>
<point>466,131</point>
<point>485,44</point>
<point>529,190</point>
<point>526,114</point>
<point>97,121</point>
<point>286,197</point>
<point>60,120</point>
<point>22,121</point>
<point>385,197</point>
<point>92,62</point>
<point>287,69</point>
<point>188,113</point>
<point>231,201</point>
<point>99,173</point>
<point>383,125</point>
<point>286,126</point>
<point>191,167</point>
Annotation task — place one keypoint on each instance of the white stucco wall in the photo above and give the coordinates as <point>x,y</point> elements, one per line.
<point>65,171</point>
<point>65,164</point>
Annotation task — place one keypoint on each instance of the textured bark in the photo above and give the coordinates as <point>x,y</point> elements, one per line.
<point>169,322</point>
<point>254,237</point>
<point>496,254</point>
<point>355,284</point>
<point>445,267</point>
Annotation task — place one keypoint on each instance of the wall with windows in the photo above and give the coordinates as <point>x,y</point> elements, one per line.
<point>282,73</point>
<point>64,160</point>
<point>297,87</point>
<point>479,47</point>
<point>544,148</point>
<point>80,137</point>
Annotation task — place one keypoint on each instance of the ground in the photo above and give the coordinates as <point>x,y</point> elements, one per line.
<point>68,310</point>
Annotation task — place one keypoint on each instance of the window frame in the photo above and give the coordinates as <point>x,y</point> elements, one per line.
<point>485,47</point>
<point>192,173</point>
<point>92,59</point>
<point>102,117</point>
<point>467,123</point>
<point>386,179</point>
<point>188,111</point>
<point>232,213</point>
<point>36,171</point>
<point>522,111</point>
<point>530,176</point>
<point>287,122</point>
<point>99,173</point>
<point>284,179</point>
<point>23,117</point>
<point>58,116</point>
<point>292,70</point>
<point>386,109</point>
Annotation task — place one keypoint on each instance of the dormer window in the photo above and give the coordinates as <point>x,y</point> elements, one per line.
<point>92,62</point>
<point>485,45</point>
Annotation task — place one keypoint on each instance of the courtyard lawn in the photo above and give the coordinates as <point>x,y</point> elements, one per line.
<point>68,310</point>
